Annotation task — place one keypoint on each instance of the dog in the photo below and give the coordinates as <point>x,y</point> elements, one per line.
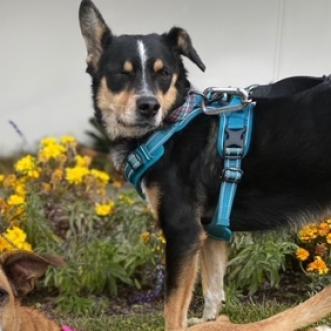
<point>289,320</point>
<point>138,82</point>
<point>19,272</point>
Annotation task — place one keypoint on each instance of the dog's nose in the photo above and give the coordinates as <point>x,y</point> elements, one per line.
<point>148,106</point>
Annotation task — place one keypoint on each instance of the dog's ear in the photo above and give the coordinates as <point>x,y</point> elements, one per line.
<point>181,42</point>
<point>23,269</point>
<point>96,33</point>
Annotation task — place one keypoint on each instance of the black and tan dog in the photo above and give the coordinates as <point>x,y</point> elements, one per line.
<point>138,80</point>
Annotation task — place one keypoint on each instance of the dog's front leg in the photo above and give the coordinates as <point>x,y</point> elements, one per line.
<point>184,236</point>
<point>214,258</point>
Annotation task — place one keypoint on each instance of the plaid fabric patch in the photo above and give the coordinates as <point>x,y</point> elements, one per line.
<point>186,108</point>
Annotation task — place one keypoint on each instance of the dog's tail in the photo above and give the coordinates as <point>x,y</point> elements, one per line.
<point>308,312</point>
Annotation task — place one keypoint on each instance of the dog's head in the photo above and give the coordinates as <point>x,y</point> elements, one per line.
<point>19,272</point>
<point>137,79</point>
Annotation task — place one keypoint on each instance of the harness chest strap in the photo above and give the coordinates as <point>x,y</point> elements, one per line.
<point>234,137</point>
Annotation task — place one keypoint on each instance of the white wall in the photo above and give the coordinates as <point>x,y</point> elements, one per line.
<point>43,87</point>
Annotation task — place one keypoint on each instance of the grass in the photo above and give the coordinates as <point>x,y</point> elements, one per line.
<point>239,313</point>
<point>136,322</point>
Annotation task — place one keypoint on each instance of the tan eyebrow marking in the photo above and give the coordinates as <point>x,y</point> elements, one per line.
<point>158,65</point>
<point>127,66</point>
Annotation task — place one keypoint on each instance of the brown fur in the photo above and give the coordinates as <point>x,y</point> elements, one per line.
<point>292,319</point>
<point>128,66</point>
<point>153,195</point>
<point>177,303</point>
<point>23,270</point>
<point>115,102</point>
<point>158,65</point>
<point>117,107</point>
<point>168,99</point>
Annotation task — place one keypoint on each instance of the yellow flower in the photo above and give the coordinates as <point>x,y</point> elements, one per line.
<point>145,237</point>
<point>105,209</point>
<point>14,238</point>
<point>2,178</point>
<point>162,239</point>
<point>28,166</point>
<point>318,265</point>
<point>15,235</point>
<point>34,174</point>
<point>25,246</point>
<point>323,229</point>
<point>328,238</point>
<point>302,254</point>
<point>20,189</point>
<point>100,175</point>
<point>83,161</point>
<point>48,141</point>
<point>69,141</point>
<point>51,151</point>
<point>76,175</point>
<point>15,200</point>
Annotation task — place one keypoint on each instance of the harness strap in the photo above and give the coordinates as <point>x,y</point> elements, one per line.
<point>233,141</point>
<point>234,138</point>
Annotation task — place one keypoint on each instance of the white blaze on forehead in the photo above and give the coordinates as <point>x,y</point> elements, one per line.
<point>143,59</point>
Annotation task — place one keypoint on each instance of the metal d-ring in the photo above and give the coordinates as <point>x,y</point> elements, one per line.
<point>223,93</point>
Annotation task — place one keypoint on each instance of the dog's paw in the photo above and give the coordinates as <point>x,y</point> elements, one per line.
<point>195,321</point>
<point>322,328</point>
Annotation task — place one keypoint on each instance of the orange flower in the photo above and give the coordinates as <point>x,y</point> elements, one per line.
<point>318,265</point>
<point>302,254</point>
<point>323,229</point>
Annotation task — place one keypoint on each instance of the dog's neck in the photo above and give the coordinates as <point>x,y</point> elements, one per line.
<point>122,147</point>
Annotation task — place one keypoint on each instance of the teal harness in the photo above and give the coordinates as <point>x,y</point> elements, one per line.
<point>235,112</point>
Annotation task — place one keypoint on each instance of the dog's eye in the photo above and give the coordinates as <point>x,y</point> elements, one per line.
<point>3,295</point>
<point>164,74</point>
<point>126,73</point>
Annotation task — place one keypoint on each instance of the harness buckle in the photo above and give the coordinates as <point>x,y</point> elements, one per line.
<point>232,175</point>
<point>234,138</point>
<point>134,160</point>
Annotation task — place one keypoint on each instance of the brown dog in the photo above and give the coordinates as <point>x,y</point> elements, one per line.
<point>310,311</point>
<point>19,272</point>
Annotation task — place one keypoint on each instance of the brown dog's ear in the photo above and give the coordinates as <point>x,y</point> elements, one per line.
<point>180,40</point>
<point>23,269</point>
<point>96,33</point>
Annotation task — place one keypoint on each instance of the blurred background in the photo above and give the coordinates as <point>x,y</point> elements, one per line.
<point>45,91</point>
